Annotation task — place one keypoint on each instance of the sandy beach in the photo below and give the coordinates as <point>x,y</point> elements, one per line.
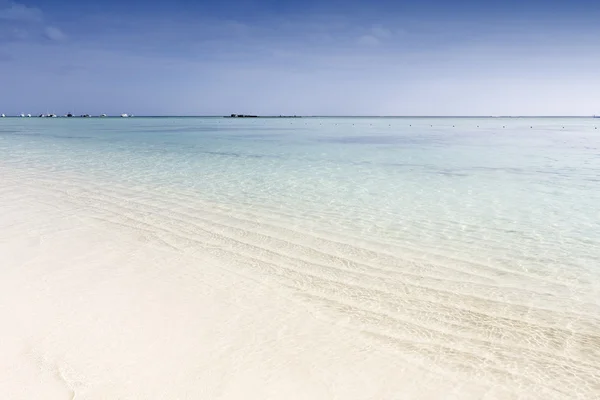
<point>96,309</point>
<point>119,280</point>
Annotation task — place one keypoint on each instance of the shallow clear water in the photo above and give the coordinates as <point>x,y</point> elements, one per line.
<point>468,244</point>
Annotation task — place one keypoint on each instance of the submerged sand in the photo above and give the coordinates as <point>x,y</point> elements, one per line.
<point>114,292</point>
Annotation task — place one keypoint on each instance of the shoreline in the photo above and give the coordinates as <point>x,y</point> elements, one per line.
<point>114,292</point>
<point>102,310</point>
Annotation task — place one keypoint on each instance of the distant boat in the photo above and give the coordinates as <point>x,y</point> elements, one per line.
<point>3,116</point>
<point>22,115</point>
<point>124,115</point>
<point>69,115</point>
<point>103,115</point>
<point>28,115</point>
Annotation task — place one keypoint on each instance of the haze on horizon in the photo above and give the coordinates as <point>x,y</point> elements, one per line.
<point>305,58</point>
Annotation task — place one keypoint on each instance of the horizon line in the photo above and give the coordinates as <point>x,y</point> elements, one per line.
<point>313,116</point>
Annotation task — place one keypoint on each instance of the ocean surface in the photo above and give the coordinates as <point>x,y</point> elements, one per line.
<point>401,257</point>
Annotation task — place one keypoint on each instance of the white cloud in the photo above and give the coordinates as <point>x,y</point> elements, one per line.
<point>23,23</point>
<point>236,27</point>
<point>374,36</point>
<point>20,12</point>
<point>54,34</point>
<point>368,40</point>
<point>381,32</point>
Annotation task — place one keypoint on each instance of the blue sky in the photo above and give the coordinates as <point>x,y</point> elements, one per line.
<point>327,57</point>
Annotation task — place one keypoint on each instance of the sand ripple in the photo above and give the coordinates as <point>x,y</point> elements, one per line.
<point>266,305</point>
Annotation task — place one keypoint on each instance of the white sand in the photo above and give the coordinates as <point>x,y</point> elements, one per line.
<point>92,307</point>
<point>104,314</point>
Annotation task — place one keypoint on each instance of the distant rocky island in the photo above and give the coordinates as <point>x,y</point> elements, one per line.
<point>256,116</point>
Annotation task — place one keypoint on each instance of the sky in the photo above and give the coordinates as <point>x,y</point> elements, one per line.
<point>328,57</point>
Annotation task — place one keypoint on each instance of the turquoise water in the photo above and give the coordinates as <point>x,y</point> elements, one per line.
<point>503,191</point>
<point>498,216</point>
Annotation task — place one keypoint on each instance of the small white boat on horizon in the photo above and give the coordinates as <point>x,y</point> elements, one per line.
<point>2,116</point>
<point>22,115</point>
<point>28,115</point>
<point>124,115</point>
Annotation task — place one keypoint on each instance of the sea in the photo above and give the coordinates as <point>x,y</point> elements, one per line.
<point>464,248</point>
